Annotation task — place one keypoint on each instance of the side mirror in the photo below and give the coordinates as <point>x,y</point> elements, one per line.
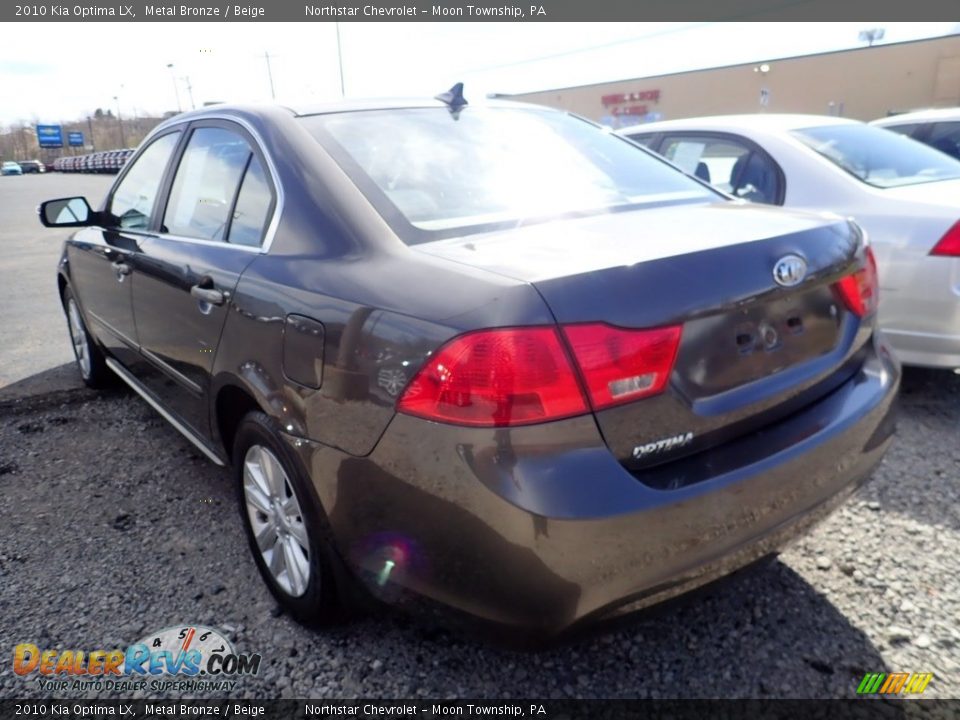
<point>66,212</point>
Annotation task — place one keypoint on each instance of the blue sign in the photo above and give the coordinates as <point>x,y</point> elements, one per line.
<point>75,139</point>
<point>50,136</point>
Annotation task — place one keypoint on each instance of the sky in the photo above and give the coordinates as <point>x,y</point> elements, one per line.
<point>76,68</point>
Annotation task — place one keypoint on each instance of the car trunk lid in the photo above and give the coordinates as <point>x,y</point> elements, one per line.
<point>752,349</point>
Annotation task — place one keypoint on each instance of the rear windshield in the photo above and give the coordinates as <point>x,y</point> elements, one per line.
<point>879,157</point>
<point>433,174</point>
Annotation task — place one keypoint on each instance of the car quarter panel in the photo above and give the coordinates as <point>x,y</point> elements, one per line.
<point>372,348</point>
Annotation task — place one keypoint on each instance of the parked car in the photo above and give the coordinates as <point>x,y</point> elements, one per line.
<point>32,166</point>
<point>616,383</point>
<point>905,195</point>
<point>939,128</point>
<point>10,168</point>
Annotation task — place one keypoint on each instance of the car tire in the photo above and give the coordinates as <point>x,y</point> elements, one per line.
<point>294,552</point>
<point>91,361</point>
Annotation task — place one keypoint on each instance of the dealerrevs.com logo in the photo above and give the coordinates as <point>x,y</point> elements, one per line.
<point>186,658</point>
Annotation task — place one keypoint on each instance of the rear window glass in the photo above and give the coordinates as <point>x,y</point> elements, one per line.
<point>433,174</point>
<point>879,157</point>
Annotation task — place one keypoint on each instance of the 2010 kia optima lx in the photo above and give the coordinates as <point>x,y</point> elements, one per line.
<point>491,356</point>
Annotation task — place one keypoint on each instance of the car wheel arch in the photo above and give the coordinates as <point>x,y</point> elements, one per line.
<point>231,404</point>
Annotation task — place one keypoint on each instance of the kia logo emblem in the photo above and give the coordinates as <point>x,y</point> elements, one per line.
<point>790,270</point>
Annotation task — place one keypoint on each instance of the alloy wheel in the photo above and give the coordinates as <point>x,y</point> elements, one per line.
<point>78,336</point>
<point>276,520</point>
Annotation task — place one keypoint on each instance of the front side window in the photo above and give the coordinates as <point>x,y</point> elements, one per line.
<point>205,184</point>
<point>432,173</point>
<point>879,157</point>
<point>133,200</point>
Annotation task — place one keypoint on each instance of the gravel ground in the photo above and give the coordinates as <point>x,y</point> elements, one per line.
<point>112,526</point>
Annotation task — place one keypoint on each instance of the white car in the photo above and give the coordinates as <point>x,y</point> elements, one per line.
<point>938,128</point>
<point>903,193</point>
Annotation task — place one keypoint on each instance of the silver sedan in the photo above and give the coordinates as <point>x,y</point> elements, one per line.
<point>903,193</point>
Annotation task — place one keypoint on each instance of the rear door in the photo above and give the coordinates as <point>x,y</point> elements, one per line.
<point>218,206</point>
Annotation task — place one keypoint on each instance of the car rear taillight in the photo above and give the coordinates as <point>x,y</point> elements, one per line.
<point>949,245</point>
<point>621,365</point>
<point>495,378</point>
<point>860,291</point>
<point>519,376</point>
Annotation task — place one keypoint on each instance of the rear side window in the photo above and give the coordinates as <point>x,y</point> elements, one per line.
<point>729,165</point>
<point>206,184</point>
<point>253,207</point>
<point>133,200</point>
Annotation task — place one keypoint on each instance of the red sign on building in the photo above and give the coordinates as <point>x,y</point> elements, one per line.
<point>620,98</point>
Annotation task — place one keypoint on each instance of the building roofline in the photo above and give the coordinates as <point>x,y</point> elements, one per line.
<point>955,35</point>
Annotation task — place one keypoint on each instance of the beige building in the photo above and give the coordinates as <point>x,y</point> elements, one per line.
<point>865,83</point>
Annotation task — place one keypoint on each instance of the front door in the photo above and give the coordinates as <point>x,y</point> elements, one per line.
<point>102,260</point>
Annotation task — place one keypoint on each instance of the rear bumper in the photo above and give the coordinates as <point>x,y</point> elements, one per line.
<point>920,317</point>
<point>540,528</point>
<point>926,349</point>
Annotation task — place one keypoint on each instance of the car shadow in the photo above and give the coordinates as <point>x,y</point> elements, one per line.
<point>58,384</point>
<point>764,632</point>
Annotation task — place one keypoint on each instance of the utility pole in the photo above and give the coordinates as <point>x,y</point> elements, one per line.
<point>123,142</point>
<point>93,144</point>
<point>266,56</point>
<point>193,105</point>
<point>176,90</point>
<point>339,60</point>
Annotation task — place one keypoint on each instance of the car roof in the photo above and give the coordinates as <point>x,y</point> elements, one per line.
<point>339,106</point>
<point>757,121</point>
<point>397,104</point>
<point>928,115</point>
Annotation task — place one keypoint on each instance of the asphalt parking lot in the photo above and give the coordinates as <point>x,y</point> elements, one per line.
<point>32,324</point>
<point>112,525</point>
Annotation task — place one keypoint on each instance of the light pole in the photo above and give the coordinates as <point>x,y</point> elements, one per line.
<point>93,144</point>
<point>340,60</point>
<point>266,56</point>
<point>176,91</point>
<point>186,79</point>
<point>872,35</point>
<point>123,142</point>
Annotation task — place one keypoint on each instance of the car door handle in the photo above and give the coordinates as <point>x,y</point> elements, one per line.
<point>121,268</point>
<point>208,295</point>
